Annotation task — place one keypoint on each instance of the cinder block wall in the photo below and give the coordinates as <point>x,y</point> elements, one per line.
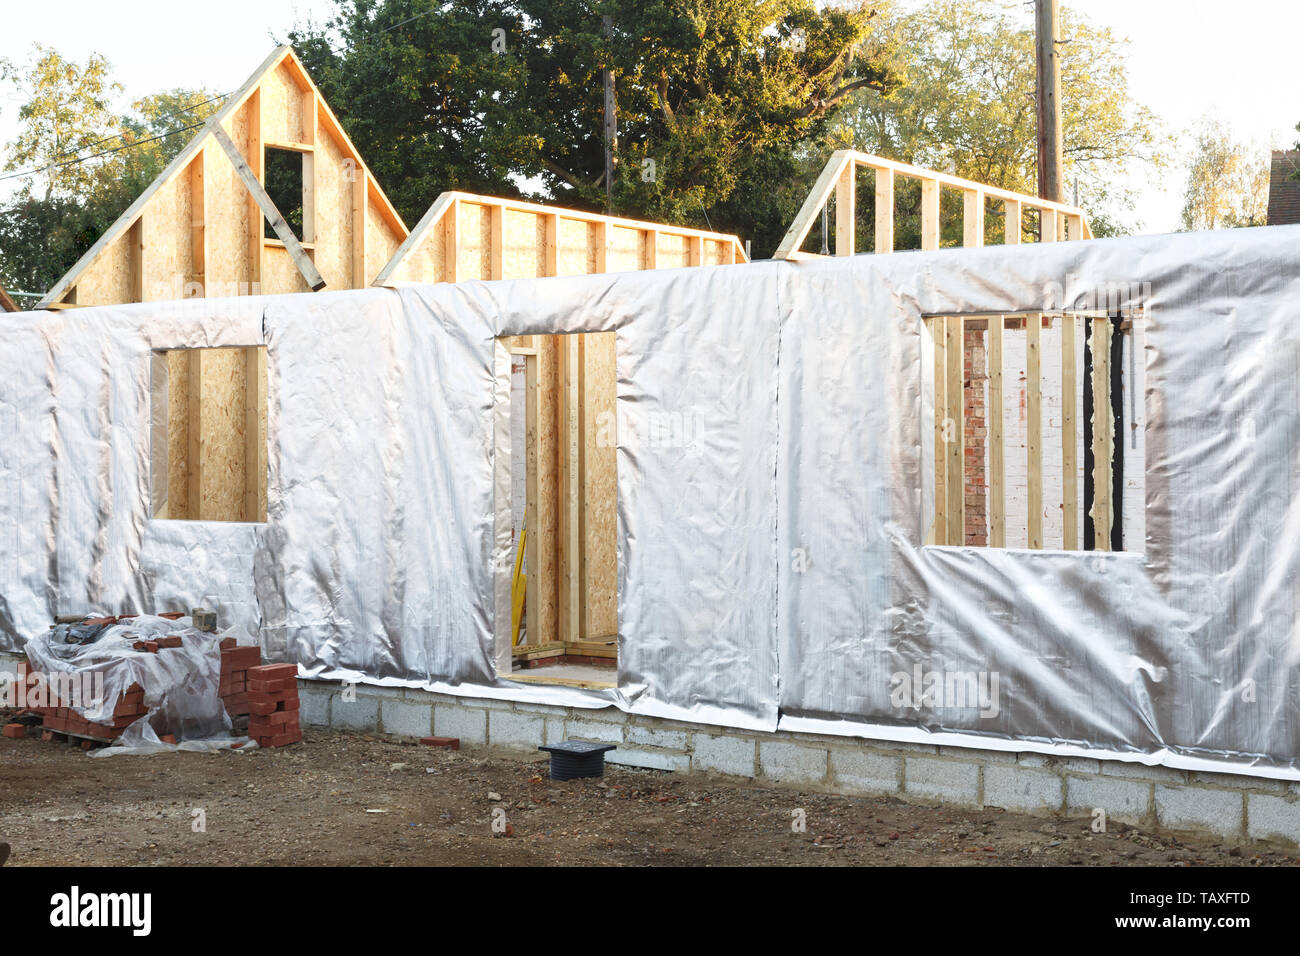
<point>1236,808</point>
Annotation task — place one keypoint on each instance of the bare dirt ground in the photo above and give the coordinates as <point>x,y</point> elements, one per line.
<point>359,800</point>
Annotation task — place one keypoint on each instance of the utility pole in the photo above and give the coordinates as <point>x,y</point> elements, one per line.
<point>611,117</point>
<point>1051,166</point>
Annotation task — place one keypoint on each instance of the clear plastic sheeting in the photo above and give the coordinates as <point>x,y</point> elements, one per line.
<point>180,683</point>
<point>772,568</point>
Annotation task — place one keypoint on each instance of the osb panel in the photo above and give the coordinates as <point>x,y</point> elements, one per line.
<point>222,437</point>
<point>279,274</point>
<point>168,240</point>
<point>281,107</point>
<point>599,489</point>
<point>107,281</point>
<point>672,252</point>
<point>178,434</point>
<point>547,619</point>
<point>712,252</point>
<point>382,242</point>
<point>225,219</point>
<point>333,256</point>
<point>576,256</point>
<point>626,250</point>
<point>523,255</point>
<point>473,241</point>
<point>264,478</point>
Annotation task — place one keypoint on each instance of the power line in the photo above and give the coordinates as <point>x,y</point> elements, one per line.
<point>106,152</point>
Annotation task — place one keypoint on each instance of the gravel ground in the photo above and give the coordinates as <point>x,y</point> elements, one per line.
<point>356,799</point>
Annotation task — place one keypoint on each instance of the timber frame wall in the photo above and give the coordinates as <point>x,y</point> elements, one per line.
<point>571,496</point>
<point>1087,361</point>
<point>198,230</point>
<point>839,179</point>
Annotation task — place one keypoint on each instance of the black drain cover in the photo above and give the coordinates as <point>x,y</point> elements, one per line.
<point>572,759</point>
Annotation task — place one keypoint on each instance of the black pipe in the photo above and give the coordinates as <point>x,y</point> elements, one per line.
<point>1117,454</point>
<point>1089,536</point>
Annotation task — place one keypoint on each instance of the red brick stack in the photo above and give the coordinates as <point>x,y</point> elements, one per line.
<point>64,720</point>
<point>235,662</point>
<point>273,703</point>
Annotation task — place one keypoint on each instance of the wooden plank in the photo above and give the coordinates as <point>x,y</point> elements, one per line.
<point>994,416</point>
<point>1047,226</point>
<point>7,304</point>
<point>570,616</point>
<point>884,211</point>
<point>973,218</point>
<point>1074,222</point>
<point>1103,426</point>
<point>551,246</point>
<point>600,239</point>
<point>695,251</point>
<point>360,213</point>
<point>929,214</point>
<point>532,603</point>
<point>846,208</point>
<point>194,435</point>
<point>1069,433</point>
<point>198,229</point>
<point>651,240</point>
<point>299,256</point>
<point>257,163</point>
<point>938,331</point>
<point>451,258</point>
<point>497,234</point>
<point>254,434</point>
<point>1034,427</point>
<point>1012,222</point>
<point>136,241</point>
<point>955,431</point>
<point>811,209</point>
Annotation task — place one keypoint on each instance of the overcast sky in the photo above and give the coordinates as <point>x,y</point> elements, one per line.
<point>1188,58</point>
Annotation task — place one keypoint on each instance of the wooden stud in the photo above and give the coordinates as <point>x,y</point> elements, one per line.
<point>360,213</point>
<point>451,257</point>
<point>600,237</point>
<point>811,209</point>
<point>570,492</point>
<point>651,248</point>
<point>551,251</point>
<point>198,232</point>
<point>1012,222</point>
<point>1103,443</point>
<point>254,434</point>
<point>137,240</point>
<point>955,430</point>
<point>1075,223</point>
<point>695,251</point>
<point>194,433</point>
<point>257,163</point>
<point>846,205</point>
<point>497,233</point>
<point>1069,433</point>
<point>929,214</point>
<point>532,422</point>
<point>994,416</point>
<point>938,333</point>
<point>973,218</point>
<point>1034,426</point>
<point>1047,231</point>
<point>884,211</point>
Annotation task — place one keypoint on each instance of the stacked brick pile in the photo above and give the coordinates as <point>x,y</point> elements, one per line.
<point>58,721</point>
<point>235,664</point>
<point>273,705</point>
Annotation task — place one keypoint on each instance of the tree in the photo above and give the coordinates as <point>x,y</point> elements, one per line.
<point>437,100</point>
<point>1227,186</point>
<point>87,163</point>
<point>66,113</point>
<point>967,105</point>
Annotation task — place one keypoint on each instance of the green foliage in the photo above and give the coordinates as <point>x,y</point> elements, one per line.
<point>709,94</point>
<point>1227,184</point>
<point>93,162</point>
<point>967,106</point>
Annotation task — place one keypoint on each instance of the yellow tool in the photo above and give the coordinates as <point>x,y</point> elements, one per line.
<point>519,589</point>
